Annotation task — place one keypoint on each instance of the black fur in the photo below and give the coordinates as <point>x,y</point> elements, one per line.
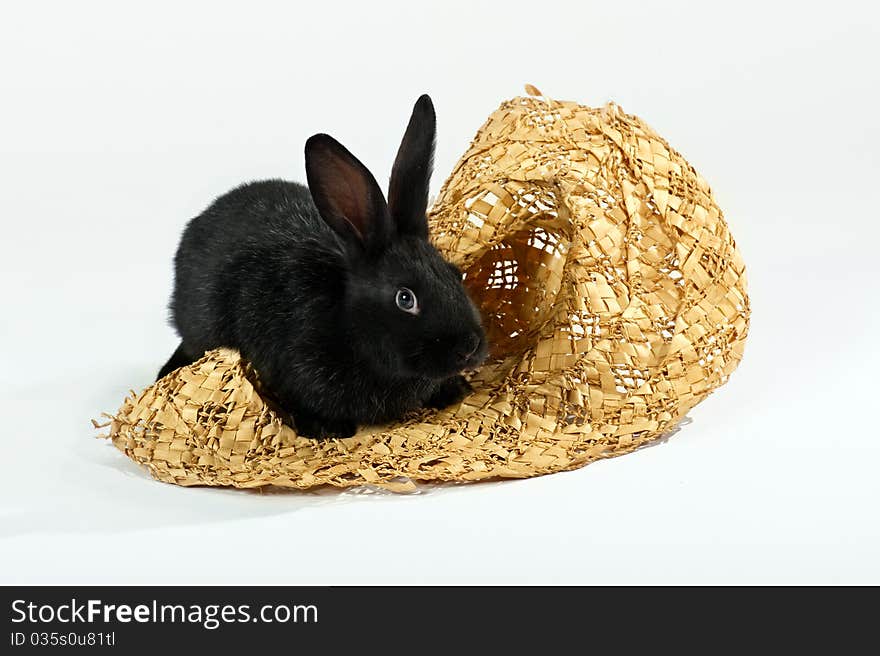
<point>304,285</point>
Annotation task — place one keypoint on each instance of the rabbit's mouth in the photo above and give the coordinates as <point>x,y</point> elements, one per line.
<point>476,357</point>
<point>444,368</point>
<point>466,354</point>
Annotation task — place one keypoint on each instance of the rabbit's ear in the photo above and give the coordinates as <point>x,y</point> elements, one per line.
<point>411,175</point>
<point>346,193</point>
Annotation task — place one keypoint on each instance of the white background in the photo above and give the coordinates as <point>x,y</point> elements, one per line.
<point>118,124</point>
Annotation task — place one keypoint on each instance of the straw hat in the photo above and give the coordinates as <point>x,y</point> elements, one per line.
<point>613,295</point>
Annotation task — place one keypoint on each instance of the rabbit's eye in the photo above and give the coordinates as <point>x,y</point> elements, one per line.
<point>407,301</point>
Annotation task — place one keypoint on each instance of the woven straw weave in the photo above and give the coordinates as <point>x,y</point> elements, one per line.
<point>614,298</point>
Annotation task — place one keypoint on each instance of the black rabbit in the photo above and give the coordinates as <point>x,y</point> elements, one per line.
<point>346,311</point>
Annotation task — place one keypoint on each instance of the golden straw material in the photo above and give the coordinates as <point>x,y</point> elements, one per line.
<point>613,295</point>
